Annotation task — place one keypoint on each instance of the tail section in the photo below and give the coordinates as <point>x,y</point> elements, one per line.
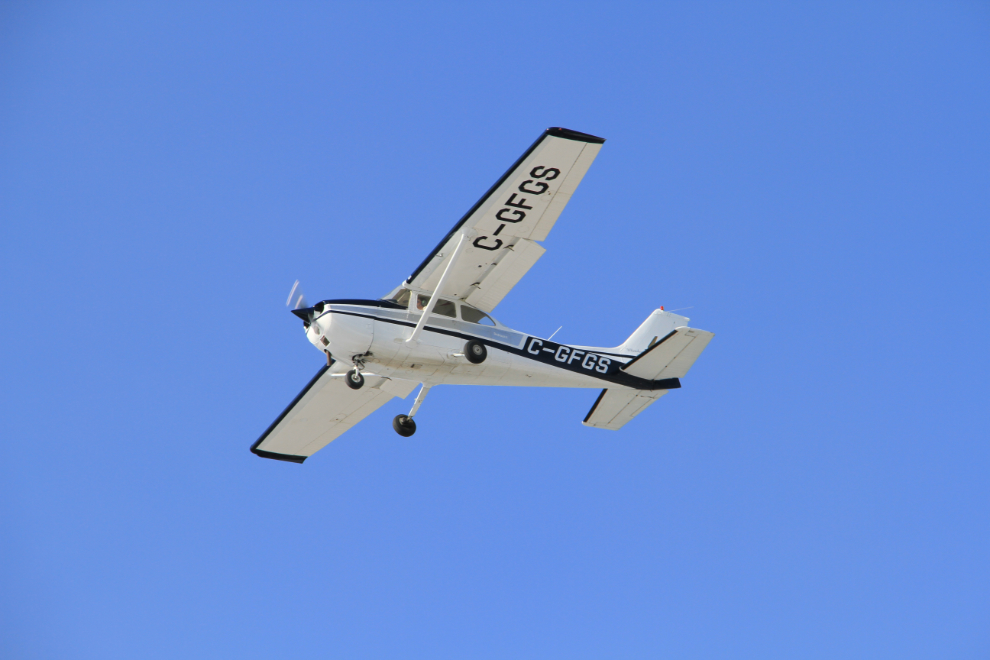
<point>671,356</point>
<point>657,325</point>
<point>665,349</point>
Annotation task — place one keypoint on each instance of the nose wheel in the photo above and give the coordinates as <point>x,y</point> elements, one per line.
<point>355,380</point>
<point>404,425</point>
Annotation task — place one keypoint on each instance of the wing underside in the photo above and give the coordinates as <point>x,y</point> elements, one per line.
<point>322,412</point>
<point>505,225</point>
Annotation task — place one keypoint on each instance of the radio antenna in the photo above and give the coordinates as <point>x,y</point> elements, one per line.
<point>554,332</point>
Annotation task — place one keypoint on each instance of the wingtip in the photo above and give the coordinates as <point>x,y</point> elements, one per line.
<point>578,136</point>
<point>288,458</point>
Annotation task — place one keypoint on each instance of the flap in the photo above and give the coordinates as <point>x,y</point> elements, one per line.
<point>513,264</point>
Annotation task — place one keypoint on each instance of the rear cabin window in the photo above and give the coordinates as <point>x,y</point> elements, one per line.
<point>472,315</point>
<point>443,307</point>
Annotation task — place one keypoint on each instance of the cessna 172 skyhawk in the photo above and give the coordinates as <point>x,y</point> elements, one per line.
<point>435,327</point>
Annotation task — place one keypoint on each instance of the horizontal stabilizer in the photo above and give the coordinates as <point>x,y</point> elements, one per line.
<point>617,406</point>
<point>671,357</point>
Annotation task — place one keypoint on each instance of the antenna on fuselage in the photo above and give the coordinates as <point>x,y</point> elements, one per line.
<point>554,332</point>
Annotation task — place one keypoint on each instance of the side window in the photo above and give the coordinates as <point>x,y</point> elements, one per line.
<point>472,315</point>
<point>445,308</point>
<point>442,308</point>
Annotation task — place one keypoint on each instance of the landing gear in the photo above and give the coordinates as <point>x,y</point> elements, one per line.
<point>404,425</point>
<point>475,351</point>
<point>354,379</point>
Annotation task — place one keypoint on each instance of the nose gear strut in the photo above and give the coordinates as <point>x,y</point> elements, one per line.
<point>354,378</point>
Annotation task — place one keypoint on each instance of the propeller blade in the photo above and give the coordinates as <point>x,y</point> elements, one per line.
<point>296,300</point>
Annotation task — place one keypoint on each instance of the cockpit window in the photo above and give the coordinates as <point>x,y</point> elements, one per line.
<point>402,298</point>
<point>472,315</point>
<point>443,307</point>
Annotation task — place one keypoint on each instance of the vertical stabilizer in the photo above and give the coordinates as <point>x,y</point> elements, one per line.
<point>657,325</point>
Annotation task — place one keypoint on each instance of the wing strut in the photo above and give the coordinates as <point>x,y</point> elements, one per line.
<point>436,294</point>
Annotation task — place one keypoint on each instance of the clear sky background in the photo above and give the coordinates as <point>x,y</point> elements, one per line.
<point>812,181</point>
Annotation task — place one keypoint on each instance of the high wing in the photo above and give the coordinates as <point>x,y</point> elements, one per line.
<point>520,209</point>
<point>323,411</point>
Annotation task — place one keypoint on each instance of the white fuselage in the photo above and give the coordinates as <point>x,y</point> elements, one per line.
<point>375,332</point>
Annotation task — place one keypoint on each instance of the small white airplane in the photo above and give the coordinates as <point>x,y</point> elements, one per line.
<point>435,327</point>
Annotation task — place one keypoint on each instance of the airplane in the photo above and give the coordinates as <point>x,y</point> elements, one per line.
<point>436,326</point>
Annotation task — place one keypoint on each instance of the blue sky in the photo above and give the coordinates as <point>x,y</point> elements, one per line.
<point>812,181</point>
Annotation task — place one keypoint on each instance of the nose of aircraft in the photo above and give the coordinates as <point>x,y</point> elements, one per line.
<point>318,330</point>
<point>305,313</point>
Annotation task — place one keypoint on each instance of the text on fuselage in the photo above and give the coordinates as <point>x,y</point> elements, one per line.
<point>574,359</point>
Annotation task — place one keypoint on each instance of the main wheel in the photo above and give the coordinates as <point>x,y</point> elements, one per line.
<point>354,379</point>
<point>475,351</point>
<point>404,425</point>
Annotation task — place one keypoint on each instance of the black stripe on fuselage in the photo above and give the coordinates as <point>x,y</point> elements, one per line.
<point>617,376</point>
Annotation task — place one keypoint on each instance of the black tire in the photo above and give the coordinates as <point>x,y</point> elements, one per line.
<point>354,379</point>
<point>475,351</point>
<point>404,425</point>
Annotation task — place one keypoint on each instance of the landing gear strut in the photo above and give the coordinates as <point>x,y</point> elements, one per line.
<point>353,378</point>
<point>404,424</point>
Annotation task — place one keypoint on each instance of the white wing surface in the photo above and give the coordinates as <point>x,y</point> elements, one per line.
<point>615,407</point>
<point>520,209</point>
<point>322,412</point>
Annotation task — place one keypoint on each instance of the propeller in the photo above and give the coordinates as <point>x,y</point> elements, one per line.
<point>297,304</point>
<point>296,300</point>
